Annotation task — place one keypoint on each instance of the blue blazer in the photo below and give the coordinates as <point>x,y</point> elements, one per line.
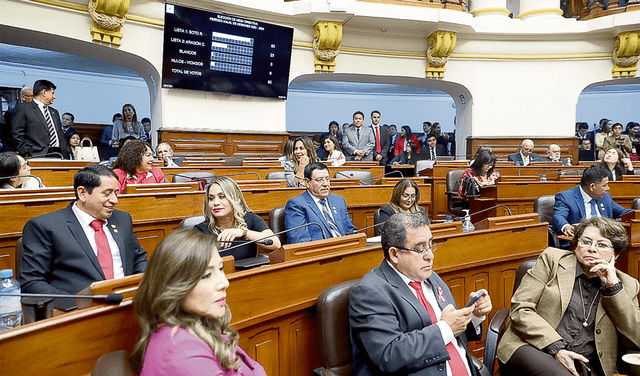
<point>391,331</point>
<point>569,208</point>
<point>303,209</point>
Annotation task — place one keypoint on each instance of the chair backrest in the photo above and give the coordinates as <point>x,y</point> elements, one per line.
<point>333,315</point>
<point>184,176</point>
<point>366,177</point>
<point>233,161</point>
<point>454,203</point>
<point>190,222</point>
<point>276,223</point>
<point>570,172</point>
<point>543,205</point>
<point>376,215</point>
<point>636,204</point>
<point>112,364</point>
<point>18,262</point>
<point>521,271</point>
<point>275,175</point>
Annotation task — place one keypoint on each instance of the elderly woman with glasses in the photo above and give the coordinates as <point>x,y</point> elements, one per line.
<point>574,308</point>
<point>404,199</point>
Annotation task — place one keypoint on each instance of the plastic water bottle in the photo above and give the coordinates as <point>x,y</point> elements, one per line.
<point>448,219</point>
<point>10,307</point>
<point>467,225</point>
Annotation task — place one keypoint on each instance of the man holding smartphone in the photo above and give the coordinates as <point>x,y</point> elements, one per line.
<point>403,316</point>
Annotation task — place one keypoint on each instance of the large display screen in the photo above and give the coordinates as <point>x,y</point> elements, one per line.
<point>224,53</point>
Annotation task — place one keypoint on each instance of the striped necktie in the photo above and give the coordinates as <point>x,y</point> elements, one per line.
<point>327,216</point>
<point>53,135</point>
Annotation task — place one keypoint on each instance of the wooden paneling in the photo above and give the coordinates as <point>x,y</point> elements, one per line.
<point>503,146</point>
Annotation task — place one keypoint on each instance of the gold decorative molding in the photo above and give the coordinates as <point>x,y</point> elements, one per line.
<point>625,54</point>
<point>108,17</point>
<point>536,12</point>
<point>327,37</point>
<point>441,44</point>
<point>504,11</point>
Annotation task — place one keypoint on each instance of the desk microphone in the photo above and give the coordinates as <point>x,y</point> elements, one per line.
<point>243,242</point>
<point>51,154</point>
<point>202,182</point>
<point>351,177</point>
<point>552,170</point>
<point>110,298</point>
<point>457,219</point>
<point>24,176</point>
<point>386,174</point>
<point>353,232</point>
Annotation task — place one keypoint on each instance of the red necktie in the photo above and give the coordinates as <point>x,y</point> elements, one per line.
<point>378,146</point>
<point>456,363</point>
<point>104,252</point>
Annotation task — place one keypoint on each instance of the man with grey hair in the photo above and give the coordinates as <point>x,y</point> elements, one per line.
<point>403,316</point>
<point>26,96</point>
<point>164,151</point>
<point>525,155</point>
<point>553,155</point>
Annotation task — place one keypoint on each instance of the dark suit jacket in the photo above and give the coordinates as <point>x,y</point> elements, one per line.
<point>58,258</point>
<point>29,131</point>
<point>517,158</point>
<point>547,159</point>
<point>302,209</point>
<point>385,140</point>
<point>439,149</point>
<point>569,208</point>
<point>391,330</point>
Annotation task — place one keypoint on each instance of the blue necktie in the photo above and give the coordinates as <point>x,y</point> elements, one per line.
<point>327,216</point>
<point>594,211</point>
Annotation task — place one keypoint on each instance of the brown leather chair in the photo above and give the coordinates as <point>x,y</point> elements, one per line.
<point>276,223</point>
<point>543,205</point>
<point>494,331</point>
<point>112,364</point>
<point>454,203</point>
<point>333,315</point>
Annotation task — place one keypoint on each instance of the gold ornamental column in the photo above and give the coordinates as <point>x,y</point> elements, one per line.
<point>108,17</point>
<point>327,37</point>
<point>441,45</point>
<point>625,54</point>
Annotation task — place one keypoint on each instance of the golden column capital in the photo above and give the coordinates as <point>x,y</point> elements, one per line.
<point>108,17</point>
<point>625,54</point>
<point>441,45</point>
<point>327,37</point>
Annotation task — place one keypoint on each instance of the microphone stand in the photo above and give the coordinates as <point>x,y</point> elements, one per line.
<point>40,185</point>
<point>458,219</point>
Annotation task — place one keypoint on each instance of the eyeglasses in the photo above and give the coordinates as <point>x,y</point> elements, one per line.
<point>600,246</point>
<point>408,197</point>
<point>320,180</point>
<point>527,149</point>
<point>423,251</point>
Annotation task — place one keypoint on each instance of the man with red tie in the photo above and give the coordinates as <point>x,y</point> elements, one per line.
<point>88,241</point>
<point>381,134</point>
<point>403,317</point>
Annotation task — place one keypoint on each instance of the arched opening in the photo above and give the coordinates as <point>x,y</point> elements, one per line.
<point>315,100</point>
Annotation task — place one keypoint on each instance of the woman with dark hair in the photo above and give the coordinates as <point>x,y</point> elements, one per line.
<point>135,165</point>
<point>404,199</point>
<point>229,218</point>
<point>618,140</point>
<point>615,164</point>
<point>128,126</point>
<point>633,131</point>
<point>73,139</point>
<point>404,139</point>
<point>604,131</point>
<point>183,314</point>
<point>12,164</point>
<point>303,154</point>
<point>405,157</point>
<point>574,311</point>
<point>332,151</point>
<point>482,170</point>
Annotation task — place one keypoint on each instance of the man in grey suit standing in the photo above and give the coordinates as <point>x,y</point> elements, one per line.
<point>403,316</point>
<point>358,141</point>
<point>36,128</point>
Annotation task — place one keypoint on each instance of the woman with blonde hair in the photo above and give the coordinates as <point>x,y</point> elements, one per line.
<point>404,199</point>
<point>183,314</point>
<point>303,154</point>
<point>228,216</point>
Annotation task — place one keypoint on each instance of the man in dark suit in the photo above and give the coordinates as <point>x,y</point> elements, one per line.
<point>36,127</point>
<point>403,317</point>
<point>67,124</point>
<point>581,201</point>
<point>26,96</point>
<point>88,241</point>
<point>393,137</point>
<point>317,205</point>
<point>358,141</point>
<point>433,148</point>
<point>525,155</point>
<point>164,152</point>
<point>381,137</point>
<point>553,155</point>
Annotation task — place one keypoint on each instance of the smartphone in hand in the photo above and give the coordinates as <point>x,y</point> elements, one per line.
<point>475,298</point>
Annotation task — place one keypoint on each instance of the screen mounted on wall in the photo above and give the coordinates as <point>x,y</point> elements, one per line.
<point>224,53</point>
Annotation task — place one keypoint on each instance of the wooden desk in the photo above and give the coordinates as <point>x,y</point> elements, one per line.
<point>278,329</point>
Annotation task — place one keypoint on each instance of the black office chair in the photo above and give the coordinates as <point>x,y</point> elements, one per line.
<point>376,215</point>
<point>543,205</point>
<point>18,261</point>
<point>276,223</point>
<point>494,331</point>
<point>190,222</point>
<point>366,178</point>
<point>454,203</point>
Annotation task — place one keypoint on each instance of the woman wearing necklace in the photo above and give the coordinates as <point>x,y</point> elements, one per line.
<point>228,216</point>
<point>574,308</point>
<point>128,126</point>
